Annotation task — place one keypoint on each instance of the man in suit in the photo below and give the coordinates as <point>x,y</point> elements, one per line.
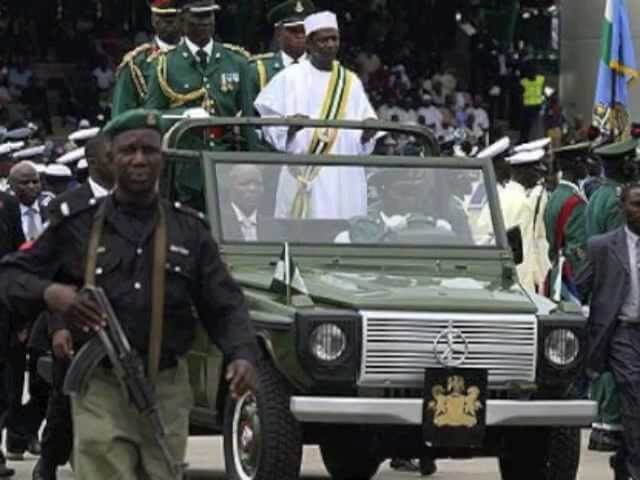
<point>23,421</point>
<point>240,218</point>
<point>611,277</point>
<point>57,437</point>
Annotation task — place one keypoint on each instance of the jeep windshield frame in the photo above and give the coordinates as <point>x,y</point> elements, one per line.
<point>210,159</point>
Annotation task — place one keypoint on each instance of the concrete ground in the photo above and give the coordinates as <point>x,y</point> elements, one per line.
<point>206,462</point>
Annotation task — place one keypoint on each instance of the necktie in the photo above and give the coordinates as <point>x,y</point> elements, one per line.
<point>202,57</point>
<point>32,228</point>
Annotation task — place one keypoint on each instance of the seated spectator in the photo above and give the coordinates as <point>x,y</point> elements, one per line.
<point>104,76</point>
<point>431,115</point>
<point>479,126</point>
<point>20,76</point>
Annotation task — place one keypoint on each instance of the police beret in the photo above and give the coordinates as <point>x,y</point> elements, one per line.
<point>617,151</point>
<point>133,120</point>
<point>291,12</point>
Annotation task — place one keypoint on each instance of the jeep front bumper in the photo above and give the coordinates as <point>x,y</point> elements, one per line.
<point>393,411</point>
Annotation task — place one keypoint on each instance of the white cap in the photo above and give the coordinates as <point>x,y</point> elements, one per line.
<point>320,20</point>
<point>84,123</point>
<point>528,156</point>
<point>84,134</point>
<point>56,170</point>
<point>72,156</point>
<point>495,149</point>
<point>9,147</point>
<point>40,167</point>
<point>535,145</point>
<point>82,164</point>
<point>29,152</point>
<point>19,133</point>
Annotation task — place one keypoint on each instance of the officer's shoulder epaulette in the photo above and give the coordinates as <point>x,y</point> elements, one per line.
<point>262,56</point>
<point>132,54</point>
<point>60,210</point>
<point>238,49</point>
<point>179,207</point>
<point>160,52</point>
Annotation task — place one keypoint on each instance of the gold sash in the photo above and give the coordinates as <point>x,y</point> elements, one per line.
<point>334,107</point>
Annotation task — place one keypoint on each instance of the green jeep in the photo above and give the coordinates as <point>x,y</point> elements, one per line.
<point>407,333</point>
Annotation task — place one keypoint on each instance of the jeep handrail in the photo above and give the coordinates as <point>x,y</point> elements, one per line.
<point>175,133</point>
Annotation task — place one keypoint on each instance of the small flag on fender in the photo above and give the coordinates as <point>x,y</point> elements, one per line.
<point>287,278</point>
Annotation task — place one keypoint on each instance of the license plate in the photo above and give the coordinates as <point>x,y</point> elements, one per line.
<point>455,407</point>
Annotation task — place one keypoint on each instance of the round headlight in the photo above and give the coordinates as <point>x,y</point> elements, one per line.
<point>327,342</point>
<point>561,347</point>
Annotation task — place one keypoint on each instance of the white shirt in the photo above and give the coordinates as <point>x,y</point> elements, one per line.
<point>24,215</point>
<point>480,120</point>
<point>194,49</point>
<point>337,192</point>
<point>432,118</point>
<point>104,78</point>
<point>248,224</point>
<point>162,45</point>
<point>98,190</point>
<point>289,60</point>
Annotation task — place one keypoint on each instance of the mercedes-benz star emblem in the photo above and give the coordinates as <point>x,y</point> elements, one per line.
<point>450,347</point>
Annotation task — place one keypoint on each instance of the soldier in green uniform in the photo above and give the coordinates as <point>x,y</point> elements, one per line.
<point>132,77</point>
<point>204,76</point>
<point>288,21</point>
<point>564,213</point>
<point>603,214</point>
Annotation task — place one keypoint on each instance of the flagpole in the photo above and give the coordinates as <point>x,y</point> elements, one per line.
<point>287,271</point>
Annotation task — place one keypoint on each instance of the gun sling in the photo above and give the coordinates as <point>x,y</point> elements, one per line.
<point>157,279</point>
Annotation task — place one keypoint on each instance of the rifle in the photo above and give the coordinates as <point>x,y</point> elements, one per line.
<point>128,367</point>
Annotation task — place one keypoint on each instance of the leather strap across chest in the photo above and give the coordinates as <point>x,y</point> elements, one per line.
<point>158,279</point>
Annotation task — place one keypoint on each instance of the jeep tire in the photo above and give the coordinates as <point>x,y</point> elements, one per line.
<point>541,453</point>
<point>350,455</point>
<point>278,450</point>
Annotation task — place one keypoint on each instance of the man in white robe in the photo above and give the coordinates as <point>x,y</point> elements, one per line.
<point>306,89</point>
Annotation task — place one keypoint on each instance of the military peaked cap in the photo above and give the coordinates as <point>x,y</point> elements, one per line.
<point>291,12</point>
<point>132,120</point>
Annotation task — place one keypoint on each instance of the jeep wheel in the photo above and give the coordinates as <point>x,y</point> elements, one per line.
<point>544,454</point>
<point>262,439</point>
<point>350,456</point>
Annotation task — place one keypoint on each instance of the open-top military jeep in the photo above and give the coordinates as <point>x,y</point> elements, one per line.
<point>412,335</point>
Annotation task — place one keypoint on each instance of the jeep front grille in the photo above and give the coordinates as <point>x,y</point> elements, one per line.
<point>398,346</point>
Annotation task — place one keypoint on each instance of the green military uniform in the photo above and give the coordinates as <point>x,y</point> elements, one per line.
<point>603,214</point>
<point>222,87</point>
<point>267,65</point>
<point>132,78</point>
<point>136,68</point>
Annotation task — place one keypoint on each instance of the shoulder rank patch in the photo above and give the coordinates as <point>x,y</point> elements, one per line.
<point>262,56</point>
<point>191,211</point>
<point>131,55</point>
<point>59,212</point>
<point>238,49</point>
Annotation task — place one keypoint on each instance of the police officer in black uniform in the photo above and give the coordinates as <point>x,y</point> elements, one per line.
<point>108,436</point>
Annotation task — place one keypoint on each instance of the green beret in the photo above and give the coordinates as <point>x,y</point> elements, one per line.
<point>618,151</point>
<point>133,120</point>
<point>291,12</point>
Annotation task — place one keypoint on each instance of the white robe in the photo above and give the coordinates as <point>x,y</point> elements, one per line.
<point>337,192</point>
<point>536,259</point>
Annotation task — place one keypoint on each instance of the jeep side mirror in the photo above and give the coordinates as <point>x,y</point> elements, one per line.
<point>514,236</point>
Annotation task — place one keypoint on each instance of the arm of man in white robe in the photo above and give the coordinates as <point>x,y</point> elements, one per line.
<point>272,102</point>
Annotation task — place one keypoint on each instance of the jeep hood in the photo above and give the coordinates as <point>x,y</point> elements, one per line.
<point>401,289</point>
